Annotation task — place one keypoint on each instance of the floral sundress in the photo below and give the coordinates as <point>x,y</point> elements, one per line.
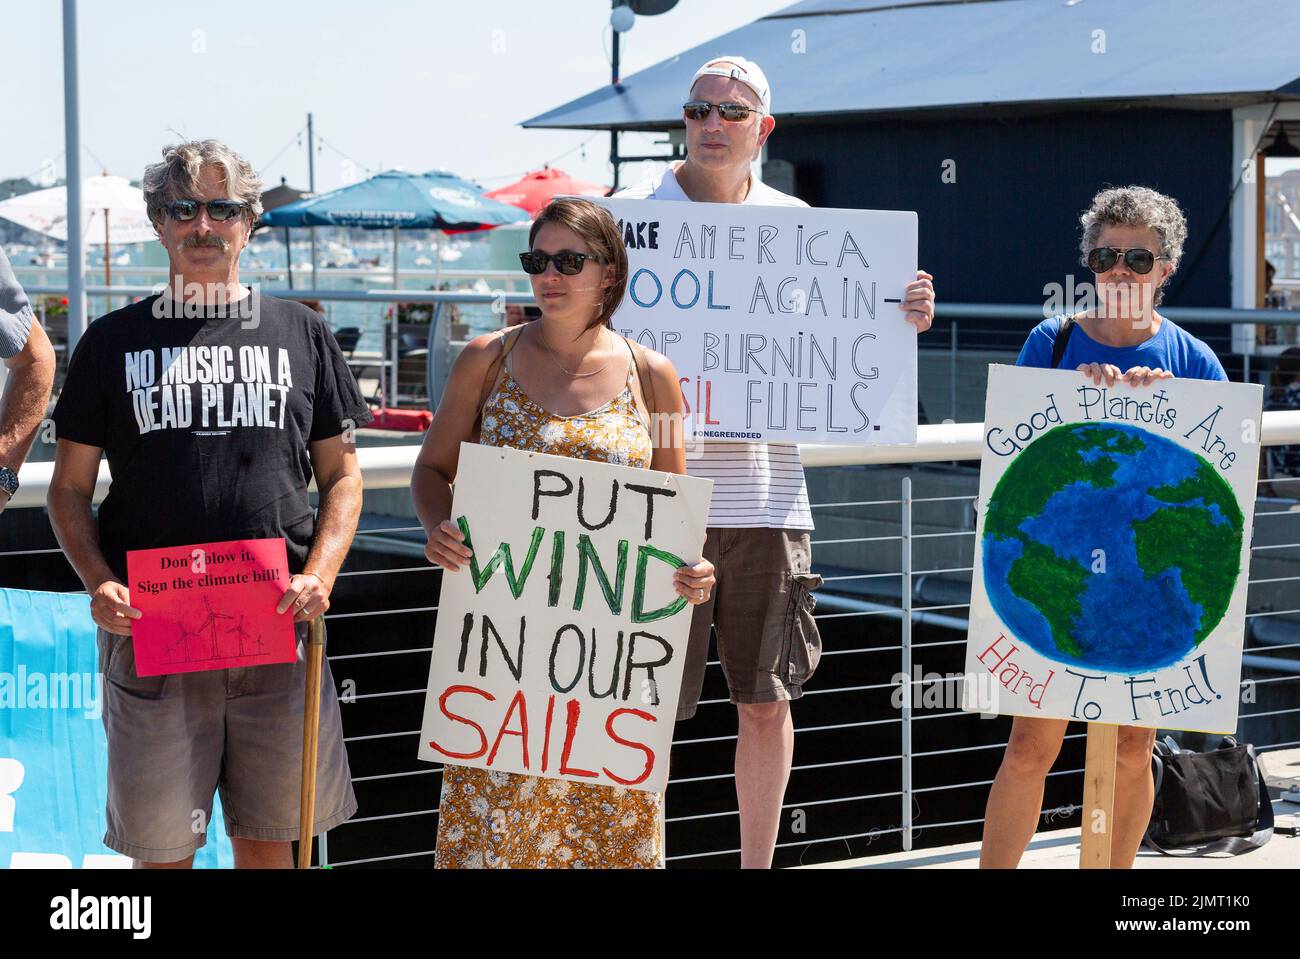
<point>499,820</point>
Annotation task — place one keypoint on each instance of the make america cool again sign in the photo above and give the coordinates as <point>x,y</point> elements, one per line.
<point>1112,550</point>
<point>783,322</point>
<point>559,649</point>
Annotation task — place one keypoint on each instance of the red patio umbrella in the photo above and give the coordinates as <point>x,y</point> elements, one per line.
<point>536,189</point>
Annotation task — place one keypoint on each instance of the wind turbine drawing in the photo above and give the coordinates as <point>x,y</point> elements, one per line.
<point>179,651</point>
<point>211,623</point>
<point>241,631</point>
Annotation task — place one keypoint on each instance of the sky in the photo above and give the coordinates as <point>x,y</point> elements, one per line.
<point>410,84</point>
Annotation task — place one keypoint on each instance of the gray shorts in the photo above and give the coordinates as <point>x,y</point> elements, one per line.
<point>174,740</point>
<point>761,610</point>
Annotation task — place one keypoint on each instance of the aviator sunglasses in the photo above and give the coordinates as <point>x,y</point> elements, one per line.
<point>218,210</point>
<point>731,112</point>
<point>1140,261</point>
<point>566,261</point>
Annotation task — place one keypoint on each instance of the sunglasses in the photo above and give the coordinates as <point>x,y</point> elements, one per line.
<point>218,210</point>
<point>731,112</point>
<point>566,261</point>
<point>1140,261</point>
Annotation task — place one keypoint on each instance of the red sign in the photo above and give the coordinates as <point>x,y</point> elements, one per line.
<point>210,606</point>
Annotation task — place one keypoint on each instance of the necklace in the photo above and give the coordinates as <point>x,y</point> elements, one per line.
<point>556,360</point>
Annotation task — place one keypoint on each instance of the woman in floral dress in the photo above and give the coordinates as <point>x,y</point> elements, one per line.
<point>546,386</point>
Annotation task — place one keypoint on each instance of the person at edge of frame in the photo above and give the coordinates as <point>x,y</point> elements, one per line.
<point>29,363</point>
<point>1132,240</point>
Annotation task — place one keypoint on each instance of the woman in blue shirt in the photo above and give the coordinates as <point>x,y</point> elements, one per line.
<point>1132,240</point>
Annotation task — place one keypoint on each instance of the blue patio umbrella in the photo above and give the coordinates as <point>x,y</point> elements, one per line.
<point>406,201</point>
<point>394,200</point>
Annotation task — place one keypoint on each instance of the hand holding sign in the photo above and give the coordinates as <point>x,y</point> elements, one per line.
<point>918,301</point>
<point>111,609</point>
<point>446,547</point>
<point>209,606</point>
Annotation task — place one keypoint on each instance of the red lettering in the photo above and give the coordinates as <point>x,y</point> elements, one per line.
<point>442,705</point>
<point>546,743</point>
<point>1000,660</point>
<point>571,729</point>
<point>682,381</point>
<point>649,753</point>
<point>522,731</point>
<point>708,405</point>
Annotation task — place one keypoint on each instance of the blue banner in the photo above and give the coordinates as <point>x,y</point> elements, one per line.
<point>53,756</point>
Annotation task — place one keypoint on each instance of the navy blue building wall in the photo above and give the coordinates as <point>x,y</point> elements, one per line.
<point>1010,223</point>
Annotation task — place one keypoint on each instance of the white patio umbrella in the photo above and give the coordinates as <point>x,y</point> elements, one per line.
<point>115,213</point>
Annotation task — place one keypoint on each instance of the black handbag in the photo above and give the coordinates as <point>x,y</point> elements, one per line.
<point>1209,802</point>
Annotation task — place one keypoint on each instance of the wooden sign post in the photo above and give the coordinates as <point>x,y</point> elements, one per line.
<point>1098,796</point>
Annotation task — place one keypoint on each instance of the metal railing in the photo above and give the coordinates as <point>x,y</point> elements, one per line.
<point>390,468</point>
<point>386,468</point>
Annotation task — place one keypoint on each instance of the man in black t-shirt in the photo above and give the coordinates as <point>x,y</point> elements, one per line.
<point>215,406</point>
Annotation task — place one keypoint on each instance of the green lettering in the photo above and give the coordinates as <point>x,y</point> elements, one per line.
<point>557,568</point>
<point>502,556</point>
<point>639,615</point>
<point>587,556</point>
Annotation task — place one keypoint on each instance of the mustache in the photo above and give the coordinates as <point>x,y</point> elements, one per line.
<point>211,239</point>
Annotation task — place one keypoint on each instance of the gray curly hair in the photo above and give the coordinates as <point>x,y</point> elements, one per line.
<point>1138,206</point>
<point>176,177</point>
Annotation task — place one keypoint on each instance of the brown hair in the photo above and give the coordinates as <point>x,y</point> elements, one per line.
<point>599,231</point>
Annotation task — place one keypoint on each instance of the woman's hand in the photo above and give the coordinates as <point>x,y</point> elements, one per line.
<point>446,546</point>
<point>695,582</point>
<point>1145,376</point>
<point>1099,371</point>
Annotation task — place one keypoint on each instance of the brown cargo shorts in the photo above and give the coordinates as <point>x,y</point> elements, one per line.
<point>175,740</point>
<point>762,613</point>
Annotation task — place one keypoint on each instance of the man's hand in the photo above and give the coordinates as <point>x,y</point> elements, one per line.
<point>110,608</point>
<point>308,596</point>
<point>918,301</point>
<point>4,500</point>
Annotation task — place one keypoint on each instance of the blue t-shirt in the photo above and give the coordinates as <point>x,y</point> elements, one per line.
<point>1172,348</point>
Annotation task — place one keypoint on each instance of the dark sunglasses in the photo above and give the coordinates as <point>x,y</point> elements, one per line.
<point>566,261</point>
<point>218,210</point>
<point>1140,261</point>
<point>731,112</point>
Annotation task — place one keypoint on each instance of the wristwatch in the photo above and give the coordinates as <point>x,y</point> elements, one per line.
<point>8,480</point>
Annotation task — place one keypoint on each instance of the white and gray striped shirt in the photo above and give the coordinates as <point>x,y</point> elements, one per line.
<point>754,484</point>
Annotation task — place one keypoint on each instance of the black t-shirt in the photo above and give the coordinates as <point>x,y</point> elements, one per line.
<point>206,420</point>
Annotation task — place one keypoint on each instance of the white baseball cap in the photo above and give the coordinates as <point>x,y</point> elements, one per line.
<point>738,68</point>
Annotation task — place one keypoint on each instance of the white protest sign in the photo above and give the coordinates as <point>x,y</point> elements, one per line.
<point>783,322</point>
<point>1112,550</point>
<point>559,651</point>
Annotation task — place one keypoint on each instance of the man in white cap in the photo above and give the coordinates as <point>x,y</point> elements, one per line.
<point>759,518</point>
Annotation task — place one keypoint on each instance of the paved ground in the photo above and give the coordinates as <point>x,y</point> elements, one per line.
<point>1059,849</point>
